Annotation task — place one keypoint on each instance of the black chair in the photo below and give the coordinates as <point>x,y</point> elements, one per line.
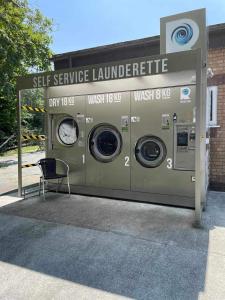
<point>48,168</point>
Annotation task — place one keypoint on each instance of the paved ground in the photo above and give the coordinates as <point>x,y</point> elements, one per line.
<point>95,248</point>
<point>8,171</point>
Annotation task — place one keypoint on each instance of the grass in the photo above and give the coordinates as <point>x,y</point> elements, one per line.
<point>27,149</point>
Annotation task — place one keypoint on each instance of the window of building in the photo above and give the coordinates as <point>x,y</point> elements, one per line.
<point>211,108</point>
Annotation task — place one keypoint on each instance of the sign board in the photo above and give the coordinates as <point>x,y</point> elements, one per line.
<point>183,32</point>
<point>144,66</point>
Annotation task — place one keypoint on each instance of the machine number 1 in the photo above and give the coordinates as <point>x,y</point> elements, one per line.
<point>127,161</point>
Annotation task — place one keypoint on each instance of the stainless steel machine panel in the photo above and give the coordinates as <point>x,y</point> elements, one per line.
<point>154,113</point>
<point>66,126</point>
<point>108,138</point>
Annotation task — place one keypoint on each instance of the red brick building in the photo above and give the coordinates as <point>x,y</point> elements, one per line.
<point>216,61</point>
<point>216,85</point>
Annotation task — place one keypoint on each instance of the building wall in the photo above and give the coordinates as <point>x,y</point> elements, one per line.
<point>216,61</point>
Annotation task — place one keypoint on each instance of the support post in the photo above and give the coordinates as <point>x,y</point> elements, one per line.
<point>19,143</point>
<point>200,155</point>
<point>46,121</point>
<point>198,185</point>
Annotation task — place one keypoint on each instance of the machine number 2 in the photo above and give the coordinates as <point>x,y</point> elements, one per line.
<point>127,161</point>
<point>169,163</point>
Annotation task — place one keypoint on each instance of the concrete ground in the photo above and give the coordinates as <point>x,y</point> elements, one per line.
<point>95,248</point>
<point>9,175</point>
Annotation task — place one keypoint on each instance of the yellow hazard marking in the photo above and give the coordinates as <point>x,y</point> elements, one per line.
<point>32,136</point>
<point>29,165</point>
<point>33,109</point>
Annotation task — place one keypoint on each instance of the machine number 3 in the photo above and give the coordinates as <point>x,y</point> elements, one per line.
<point>127,161</point>
<point>169,163</point>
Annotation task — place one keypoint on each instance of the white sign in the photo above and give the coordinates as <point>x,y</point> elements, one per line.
<point>143,67</point>
<point>62,101</point>
<point>105,98</point>
<point>181,35</point>
<point>185,95</point>
<point>151,95</point>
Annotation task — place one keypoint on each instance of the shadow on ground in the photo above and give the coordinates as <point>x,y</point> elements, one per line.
<point>134,250</point>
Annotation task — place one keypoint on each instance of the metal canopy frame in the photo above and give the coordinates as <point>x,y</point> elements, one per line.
<point>188,60</point>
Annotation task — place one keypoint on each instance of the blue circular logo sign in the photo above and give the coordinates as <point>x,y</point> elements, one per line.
<point>186,91</point>
<point>182,34</point>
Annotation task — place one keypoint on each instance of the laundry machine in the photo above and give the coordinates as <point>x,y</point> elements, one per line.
<point>66,132</point>
<point>108,140</point>
<point>163,141</point>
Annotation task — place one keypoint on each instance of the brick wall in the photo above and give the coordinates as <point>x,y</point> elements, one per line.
<point>216,61</point>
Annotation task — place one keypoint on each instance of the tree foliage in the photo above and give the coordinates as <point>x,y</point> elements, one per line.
<point>32,122</point>
<point>25,38</point>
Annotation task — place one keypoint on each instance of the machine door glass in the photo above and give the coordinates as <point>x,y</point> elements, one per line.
<point>105,143</point>
<point>67,131</point>
<point>150,151</point>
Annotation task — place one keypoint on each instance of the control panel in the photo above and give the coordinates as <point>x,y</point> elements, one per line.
<point>184,146</point>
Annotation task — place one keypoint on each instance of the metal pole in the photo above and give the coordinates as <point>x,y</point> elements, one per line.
<point>198,154</point>
<point>203,130</point>
<point>200,158</point>
<point>19,144</point>
<point>46,122</point>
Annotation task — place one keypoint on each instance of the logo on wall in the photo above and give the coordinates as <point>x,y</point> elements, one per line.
<point>181,35</point>
<point>185,94</point>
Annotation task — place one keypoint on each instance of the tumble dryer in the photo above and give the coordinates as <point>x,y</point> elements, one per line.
<point>66,125</point>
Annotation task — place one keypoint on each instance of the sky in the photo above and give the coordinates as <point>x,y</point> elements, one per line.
<point>80,24</point>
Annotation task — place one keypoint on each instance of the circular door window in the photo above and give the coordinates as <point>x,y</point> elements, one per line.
<point>68,131</point>
<point>150,151</point>
<point>105,143</point>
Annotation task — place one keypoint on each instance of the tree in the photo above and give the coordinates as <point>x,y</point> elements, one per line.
<point>33,122</point>
<point>25,38</point>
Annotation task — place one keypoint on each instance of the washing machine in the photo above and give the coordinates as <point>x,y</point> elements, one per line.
<point>108,140</point>
<point>66,127</point>
<point>163,141</point>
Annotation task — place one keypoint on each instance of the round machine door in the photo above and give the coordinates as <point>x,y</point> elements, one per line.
<point>150,151</point>
<point>105,143</point>
<point>67,131</point>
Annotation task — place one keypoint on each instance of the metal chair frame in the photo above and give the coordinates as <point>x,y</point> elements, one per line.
<point>43,180</point>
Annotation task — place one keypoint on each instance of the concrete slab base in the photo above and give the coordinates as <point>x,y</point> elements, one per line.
<point>95,248</point>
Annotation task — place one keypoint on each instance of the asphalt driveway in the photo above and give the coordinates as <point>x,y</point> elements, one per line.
<point>9,173</point>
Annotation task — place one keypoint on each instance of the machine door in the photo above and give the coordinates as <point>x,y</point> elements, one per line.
<point>108,151</point>
<point>65,131</point>
<point>68,132</point>
<point>105,143</point>
<point>67,137</point>
<point>150,151</point>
